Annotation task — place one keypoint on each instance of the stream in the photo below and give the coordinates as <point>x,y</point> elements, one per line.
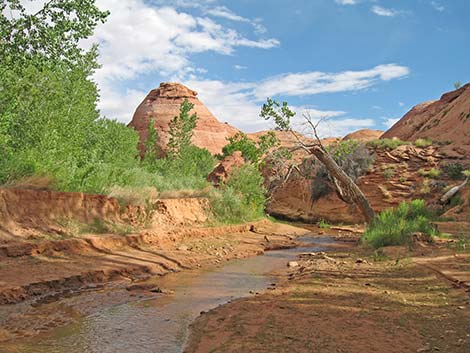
<point>161,324</point>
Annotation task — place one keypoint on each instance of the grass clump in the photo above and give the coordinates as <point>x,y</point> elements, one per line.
<point>422,143</point>
<point>387,144</point>
<point>432,173</point>
<point>241,198</point>
<point>395,226</point>
<point>323,224</point>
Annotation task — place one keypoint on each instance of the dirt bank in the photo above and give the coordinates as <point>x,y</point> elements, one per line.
<point>351,301</point>
<point>32,281</point>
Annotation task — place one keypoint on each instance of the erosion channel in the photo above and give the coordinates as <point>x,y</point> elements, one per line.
<point>160,322</point>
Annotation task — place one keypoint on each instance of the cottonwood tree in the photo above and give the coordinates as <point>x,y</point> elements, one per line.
<point>347,189</point>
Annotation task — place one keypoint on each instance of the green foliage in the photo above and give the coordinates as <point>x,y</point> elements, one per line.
<point>389,172</point>
<point>323,224</point>
<point>241,198</point>
<point>150,156</point>
<point>280,113</point>
<point>50,37</point>
<point>457,84</point>
<point>181,129</point>
<point>422,143</point>
<point>251,151</point>
<point>432,173</point>
<point>454,170</point>
<point>396,226</point>
<point>386,144</point>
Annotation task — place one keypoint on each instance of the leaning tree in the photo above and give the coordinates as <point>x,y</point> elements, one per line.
<point>347,189</point>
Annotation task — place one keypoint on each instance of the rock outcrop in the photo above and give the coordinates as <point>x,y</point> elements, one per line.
<point>364,135</point>
<point>163,104</point>
<point>446,121</point>
<point>223,170</point>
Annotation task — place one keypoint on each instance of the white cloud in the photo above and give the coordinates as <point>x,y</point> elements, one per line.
<point>222,11</point>
<point>308,83</point>
<point>437,6</point>
<point>389,122</point>
<point>346,2</point>
<point>240,67</point>
<point>139,39</point>
<point>401,104</point>
<point>382,11</point>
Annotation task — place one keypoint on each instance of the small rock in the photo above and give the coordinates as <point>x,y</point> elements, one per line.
<point>292,264</point>
<point>182,248</point>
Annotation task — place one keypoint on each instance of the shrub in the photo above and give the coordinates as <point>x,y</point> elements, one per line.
<point>432,173</point>
<point>422,143</point>
<point>323,224</point>
<point>396,226</point>
<point>389,172</point>
<point>241,198</point>
<point>454,170</point>
<point>251,151</point>
<point>387,144</point>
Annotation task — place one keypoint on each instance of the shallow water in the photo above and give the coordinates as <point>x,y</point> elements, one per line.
<point>161,324</point>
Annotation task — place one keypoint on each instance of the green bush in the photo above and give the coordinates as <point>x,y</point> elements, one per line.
<point>241,198</point>
<point>396,226</point>
<point>432,173</point>
<point>454,170</point>
<point>251,151</point>
<point>387,144</point>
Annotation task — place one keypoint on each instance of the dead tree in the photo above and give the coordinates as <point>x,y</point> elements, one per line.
<point>345,186</point>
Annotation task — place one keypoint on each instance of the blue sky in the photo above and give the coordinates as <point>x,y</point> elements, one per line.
<point>362,63</point>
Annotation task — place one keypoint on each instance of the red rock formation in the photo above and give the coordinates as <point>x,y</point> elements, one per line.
<point>446,120</point>
<point>224,168</point>
<point>364,135</point>
<point>163,104</point>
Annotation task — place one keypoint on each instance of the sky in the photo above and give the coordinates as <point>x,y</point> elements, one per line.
<point>357,63</point>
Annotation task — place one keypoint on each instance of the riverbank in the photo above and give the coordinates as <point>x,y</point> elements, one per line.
<point>351,301</point>
<point>34,282</point>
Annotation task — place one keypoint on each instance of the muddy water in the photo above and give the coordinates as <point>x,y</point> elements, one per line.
<point>161,324</point>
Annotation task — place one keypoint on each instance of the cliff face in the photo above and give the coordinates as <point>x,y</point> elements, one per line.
<point>163,104</point>
<point>446,120</point>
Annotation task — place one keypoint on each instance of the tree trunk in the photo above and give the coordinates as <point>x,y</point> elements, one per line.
<point>452,192</point>
<point>347,185</point>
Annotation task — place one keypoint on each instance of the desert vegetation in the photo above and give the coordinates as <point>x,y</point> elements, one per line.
<point>396,226</point>
<point>52,135</point>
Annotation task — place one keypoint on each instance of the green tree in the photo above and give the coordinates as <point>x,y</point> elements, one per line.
<point>150,156</point>
<point>457,84</point>
<point>251,151</point>
<point>181,129</point>
<point>50,36</point>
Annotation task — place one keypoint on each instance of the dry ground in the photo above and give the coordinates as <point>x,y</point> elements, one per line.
<point>352,302</point>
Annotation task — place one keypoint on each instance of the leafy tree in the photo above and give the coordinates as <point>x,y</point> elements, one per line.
<point>280,113</point>
<point>150,156</point>
<point>181,129</point>
<point>457,84</point>
<point>251,151</point>
<point>49,36</point>
<point>346,188</point>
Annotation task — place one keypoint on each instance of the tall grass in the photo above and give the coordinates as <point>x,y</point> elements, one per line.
<point>395,226</point>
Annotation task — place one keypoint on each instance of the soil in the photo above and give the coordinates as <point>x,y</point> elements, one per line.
<point>34,282</point>
<point>351,301</point>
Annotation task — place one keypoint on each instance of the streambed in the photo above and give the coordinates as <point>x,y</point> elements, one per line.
<point>161,324</point>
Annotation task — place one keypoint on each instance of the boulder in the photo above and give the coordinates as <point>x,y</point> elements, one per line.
<point>223,170</point>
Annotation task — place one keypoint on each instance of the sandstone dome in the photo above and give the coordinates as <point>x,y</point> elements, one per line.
<point>163,104</point>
